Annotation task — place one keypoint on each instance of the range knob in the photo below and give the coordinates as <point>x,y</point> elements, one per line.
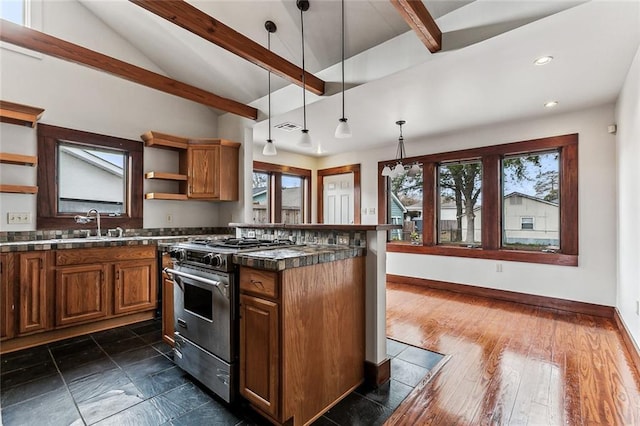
<point>214,260</point>
<point>178,254</point>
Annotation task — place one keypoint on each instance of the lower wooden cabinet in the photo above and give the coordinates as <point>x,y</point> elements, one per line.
<point>7,300</point>
<point>33,306</point>
<point>302,338</point>
<point>136,286</point>
<point>260,353</point>
<point>50,295</point>
<point>81,294</point>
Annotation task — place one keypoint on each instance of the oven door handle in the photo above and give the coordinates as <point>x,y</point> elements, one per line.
<point>222,288</point>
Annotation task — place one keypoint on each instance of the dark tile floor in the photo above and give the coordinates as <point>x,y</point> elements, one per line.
<point>126,376</point>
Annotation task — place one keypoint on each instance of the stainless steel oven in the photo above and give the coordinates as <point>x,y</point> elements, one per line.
<point>206,306</point>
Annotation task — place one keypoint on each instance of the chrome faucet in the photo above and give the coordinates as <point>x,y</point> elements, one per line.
<point>97,219</point>
<point>88,218</point>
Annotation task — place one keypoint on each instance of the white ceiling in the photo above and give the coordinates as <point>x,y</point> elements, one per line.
<point>483,75</point>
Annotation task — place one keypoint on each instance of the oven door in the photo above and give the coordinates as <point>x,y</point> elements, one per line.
<point>204,311</point>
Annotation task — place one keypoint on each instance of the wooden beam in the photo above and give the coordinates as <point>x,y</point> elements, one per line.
<point>194,20</point>
<point>52,46</point>
<point>420,20</point>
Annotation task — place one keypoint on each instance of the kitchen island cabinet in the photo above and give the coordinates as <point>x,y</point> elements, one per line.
<point>302,341</point>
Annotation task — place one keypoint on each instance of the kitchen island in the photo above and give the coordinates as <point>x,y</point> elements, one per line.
<point>348,290</point>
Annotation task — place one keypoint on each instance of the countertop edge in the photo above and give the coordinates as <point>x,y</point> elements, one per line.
<point>316,226</point>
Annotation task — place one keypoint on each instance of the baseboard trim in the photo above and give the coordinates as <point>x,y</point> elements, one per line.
<point>633,349</point>
<point>377,374</point>
<point>510,296</point>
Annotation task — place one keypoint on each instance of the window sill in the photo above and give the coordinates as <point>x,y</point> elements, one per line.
<point>478,253</point>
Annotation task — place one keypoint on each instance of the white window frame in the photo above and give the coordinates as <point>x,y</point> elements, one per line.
<point>33,20</point>
<point>533,223</point>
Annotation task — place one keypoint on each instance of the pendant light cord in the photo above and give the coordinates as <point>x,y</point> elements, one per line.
<point>304,84</point>
<point>342,59</point>
<point>269,84</point>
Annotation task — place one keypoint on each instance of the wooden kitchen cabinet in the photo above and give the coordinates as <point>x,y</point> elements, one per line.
<point>302,338</point>
<point>208,168</point>
<point>33,294</point>
<point>129,275</point>
<point>136,286</point>
<point>260,353</point>
<point>7,314</point>
<point>81,294</point>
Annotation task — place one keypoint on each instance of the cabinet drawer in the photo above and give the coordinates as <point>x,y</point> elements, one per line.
<point>256,281</point>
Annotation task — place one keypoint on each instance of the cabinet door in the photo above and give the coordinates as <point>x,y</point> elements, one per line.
<point>259,353</point>
<point>168,326</point>
<point>81,294</point>
<point>136,287</point>
<point>204,168</point>
<point>32,310</point>
<point>7,330</point>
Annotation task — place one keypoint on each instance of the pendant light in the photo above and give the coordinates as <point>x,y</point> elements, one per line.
<point>305,138</point>
<point>343,130</point>
<point>398,169</point>
<point>269,148</point>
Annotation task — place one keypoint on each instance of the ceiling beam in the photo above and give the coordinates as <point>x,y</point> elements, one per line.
<point>420,20</point>
<point>194,20</point>
<point>52,46</point>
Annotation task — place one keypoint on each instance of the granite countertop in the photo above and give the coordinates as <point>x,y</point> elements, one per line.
<point>279,259</point>
<point>317,226</point>
<point>74,243</point>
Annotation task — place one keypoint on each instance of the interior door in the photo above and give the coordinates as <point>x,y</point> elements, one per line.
<point>338,199</point>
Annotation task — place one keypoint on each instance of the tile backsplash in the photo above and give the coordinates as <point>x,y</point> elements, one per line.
<point>6,237</point>
<point>304,236</point>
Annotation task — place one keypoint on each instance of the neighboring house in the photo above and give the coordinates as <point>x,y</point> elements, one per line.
<point>527,220</point>
<point>87,180</point>
<point>397,215</point>
<point>291,205</point>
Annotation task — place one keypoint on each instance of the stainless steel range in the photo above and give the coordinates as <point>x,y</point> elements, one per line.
<point>206,305</point>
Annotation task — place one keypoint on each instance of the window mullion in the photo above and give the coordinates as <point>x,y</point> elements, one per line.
<point>492,203</point>
<point>277,197</point>
<point>429,204</point>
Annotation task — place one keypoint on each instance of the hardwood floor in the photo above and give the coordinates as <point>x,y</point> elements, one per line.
<point>512,363</point>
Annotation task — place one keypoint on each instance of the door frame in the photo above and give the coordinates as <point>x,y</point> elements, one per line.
<point>351,168</point>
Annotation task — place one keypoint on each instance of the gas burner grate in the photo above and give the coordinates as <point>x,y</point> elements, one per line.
<point>243,243</point>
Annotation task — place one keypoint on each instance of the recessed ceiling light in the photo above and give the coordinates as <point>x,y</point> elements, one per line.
<point>550,104</point>
<point>543,60</point>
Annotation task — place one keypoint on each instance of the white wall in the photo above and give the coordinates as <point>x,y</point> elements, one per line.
<point>81,98</point>
<point>594,280</point>
<point>628,189</point>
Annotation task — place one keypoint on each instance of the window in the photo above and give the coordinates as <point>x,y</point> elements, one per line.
<point>79,171</point>
<point>405,206</point>
<point>14,11</point>
<point>526,223</point>
<point>530,192</point>
<point>515,201</point>
<point>281,194</point>
<point>261,202</point>
<point>460,199</point>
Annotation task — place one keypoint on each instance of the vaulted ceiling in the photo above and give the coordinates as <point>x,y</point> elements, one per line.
<point>484,73</point>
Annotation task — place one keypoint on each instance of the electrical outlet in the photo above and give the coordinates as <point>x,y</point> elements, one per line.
<point>251,234</point>
<point>169,218</point>
<point>372,210</point>
<point>637,307</point>
<point>343,240</point>
<point>15,218</point>
<point>498,267</point>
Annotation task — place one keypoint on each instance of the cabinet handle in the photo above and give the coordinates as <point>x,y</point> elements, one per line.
<point>258,284</point>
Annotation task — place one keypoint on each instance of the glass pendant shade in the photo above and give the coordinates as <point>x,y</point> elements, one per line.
<point>386,171</point>
<point>305,139</point>
<point>414,170</point>
<point>343,130</point>
<point>398,169</point>
<point>269,148</point>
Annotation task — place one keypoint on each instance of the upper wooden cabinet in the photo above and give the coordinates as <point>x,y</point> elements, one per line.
<point>208,168</point>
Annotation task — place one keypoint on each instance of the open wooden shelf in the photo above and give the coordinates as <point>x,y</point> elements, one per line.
<point>165,176</point>
<point>165,141</point>
<point>18,159</point>
<point>165,196</point>
<point>23,115</point>
<point>19,189</point>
